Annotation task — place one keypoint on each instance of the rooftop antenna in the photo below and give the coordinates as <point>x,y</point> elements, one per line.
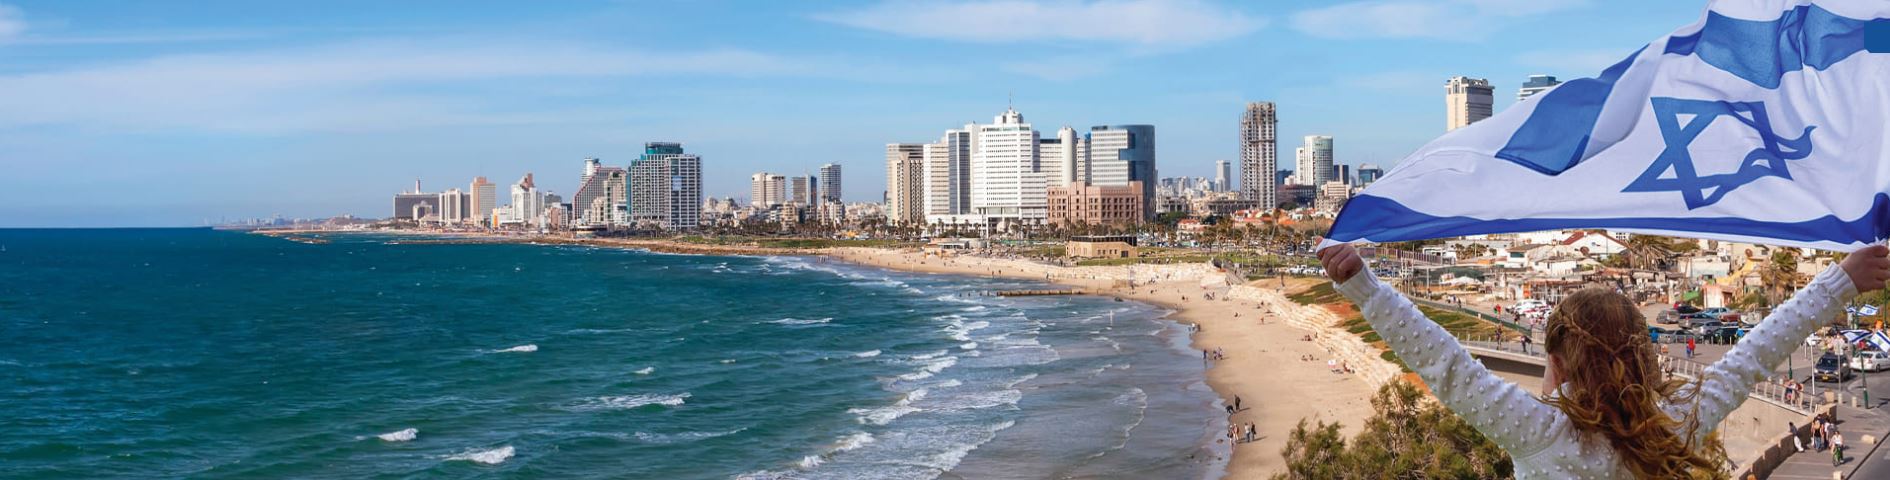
<point>1010,100</point>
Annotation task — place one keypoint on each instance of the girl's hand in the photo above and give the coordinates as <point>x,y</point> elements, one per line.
<point>1342,262</point>
<point>1868,267</point>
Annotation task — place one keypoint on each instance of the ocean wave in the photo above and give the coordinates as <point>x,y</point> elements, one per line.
<point>968,346</point>
<point>519,349</point>
<point>645,370</point>
<point>949,383</point>
<point>930,369</point>
<point>850,442</point>
<point>798,321</point>
<point>683,437</point>
<point>978,401</point>
<point>867,354</point>
<point>1112,343</point>
<point>626,402</point>
<point>886,414</point>
<point>489,457</point>
<point>597,331</point>
<point>405,435</point>
<point>929,356</point>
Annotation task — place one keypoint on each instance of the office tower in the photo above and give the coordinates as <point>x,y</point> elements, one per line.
<point>1223,173</point>
<point>1005,183</point>
<point>1368,173</point>
<point>452,207</point>
<point>527,202</point>
<point>1058,158</point>
<point>1314,160</point>
<point>948,174</point>
<point>830,182</point>
<point>1466,100</point>
<point>484,199</point>
<point>1343,174</point>
<point>905,183</point>
<point>666,187</point>
<point>1536,84</point>
<point>801,192</point>
<point>1259,164</point>
<point>758,190</point>
<point>407,203</point>
<point>1119,154</point>
<point>602,196</point>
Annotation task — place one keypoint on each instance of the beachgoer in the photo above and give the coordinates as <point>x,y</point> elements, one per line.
<point>1606,411</point>
<point>1236,403</point>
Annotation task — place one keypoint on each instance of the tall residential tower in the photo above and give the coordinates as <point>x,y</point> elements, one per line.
<point>1259,155</point>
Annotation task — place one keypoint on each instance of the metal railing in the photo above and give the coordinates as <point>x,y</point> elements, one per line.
<point>1772,390</point>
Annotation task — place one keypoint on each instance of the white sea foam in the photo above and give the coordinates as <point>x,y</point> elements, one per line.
<point>930,369</point>
<point>808,462</point>
<point>625,402</point>
<point>929,356</point>
<point>489,457</point>
<point>885,415</point>
<point>645,370</point>
<point>406,435</point>
<point>867,354</point>
<point>727,361</point>
<point>519,349</point>
<point>968,345</point>
<point>949,383</point>
<point>798,321</point>
<point>667,438</point>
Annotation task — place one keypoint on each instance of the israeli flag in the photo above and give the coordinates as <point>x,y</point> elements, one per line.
<point>1867,310</point>
<point>1767,121</point>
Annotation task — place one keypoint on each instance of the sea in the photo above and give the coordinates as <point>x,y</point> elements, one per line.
<point>197,353</point>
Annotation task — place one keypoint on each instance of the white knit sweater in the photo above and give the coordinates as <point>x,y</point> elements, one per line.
<point>1539,438</point>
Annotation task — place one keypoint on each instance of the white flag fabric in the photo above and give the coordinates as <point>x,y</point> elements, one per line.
<point>1766,121</point>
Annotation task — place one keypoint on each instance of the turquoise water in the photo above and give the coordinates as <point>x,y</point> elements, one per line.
<point>205,354</point>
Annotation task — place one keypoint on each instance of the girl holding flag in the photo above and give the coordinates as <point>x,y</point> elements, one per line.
<point>1607,410</point>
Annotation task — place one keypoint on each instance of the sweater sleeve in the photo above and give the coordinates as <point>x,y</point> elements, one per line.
<point>1503,411</point>
<point>1726,383</point>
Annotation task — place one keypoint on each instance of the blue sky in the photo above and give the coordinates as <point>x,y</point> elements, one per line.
<point>134,113</point>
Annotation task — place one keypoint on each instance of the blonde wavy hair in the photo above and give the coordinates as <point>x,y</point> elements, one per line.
<point>1615,389</point>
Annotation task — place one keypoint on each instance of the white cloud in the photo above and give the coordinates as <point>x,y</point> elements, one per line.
<point>11,23</point>
<point>1147,23</point>
<point>352,87</point>
<point>1460,20</point>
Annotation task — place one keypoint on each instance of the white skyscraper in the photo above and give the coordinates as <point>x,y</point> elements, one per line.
<point>1314,161</point>
<point>947,176</point>
<point>766,190</point>
<point>527,202</point>
<point>1259,153</point>
<point>1057,157</point>
<point>1466,100</point>
<point>1005,181</point>
<point>602,196</point>
<point>452,206</point>
<point>666,187</point>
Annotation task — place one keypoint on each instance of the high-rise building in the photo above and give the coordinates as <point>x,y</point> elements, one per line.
<point>527,202</point>
<point>1536,84</point>
<point>801,192</point>
<point>1314,160</point>
<point>1063,159</point>
<point>1466,100</point>
<point>1120,154</point>
<point>905,183</point>
<point>484,199</point>
<point>453,206</point>
<point>1259,152</point>
<point>666,187</point>
<point>830,182</point>
<point>1343,174</point>
<point>765,190</point>
<point>1005,182</point>
<point>1223,173</point>
<point>947,174</point>
<point>1368,173</point>
<point>602,196</point>
<point>415,204</point>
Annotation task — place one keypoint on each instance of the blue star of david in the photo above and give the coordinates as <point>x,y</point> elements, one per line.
<point>1702,190</point>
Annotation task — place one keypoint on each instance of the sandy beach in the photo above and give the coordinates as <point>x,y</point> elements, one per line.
<point>1266,354</point>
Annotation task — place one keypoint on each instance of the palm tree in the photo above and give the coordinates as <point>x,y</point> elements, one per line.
<point>1648,252</point>
<point>1781,275</point>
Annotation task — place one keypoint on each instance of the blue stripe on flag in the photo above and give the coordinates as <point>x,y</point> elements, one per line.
<point>1556,133</point>
<point>1877,37</point>
<point>1385,220</point>
<point>1761,52</point>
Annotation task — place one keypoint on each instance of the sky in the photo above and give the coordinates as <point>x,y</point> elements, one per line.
<point>136,113</point>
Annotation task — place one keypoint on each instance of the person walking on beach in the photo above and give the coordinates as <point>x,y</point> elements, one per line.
<point>1606,410</point>
<point>1236,403</point>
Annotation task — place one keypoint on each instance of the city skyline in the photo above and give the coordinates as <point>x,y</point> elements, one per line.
<point>195,116</point>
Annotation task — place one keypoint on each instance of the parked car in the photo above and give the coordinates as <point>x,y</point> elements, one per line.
<point>1871,361</point>
<point>1715,312</point>
<point>1724,335</point>
<point>1831,368</point>
<point>1703,327</point>
<point>1685,309</point>
<point>1655,332</point>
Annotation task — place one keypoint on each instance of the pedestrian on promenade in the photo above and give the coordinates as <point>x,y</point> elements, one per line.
<point>1605,409</point>
<point>1792,430</point>
<point>1689,347</point>
<point>1837,447</point>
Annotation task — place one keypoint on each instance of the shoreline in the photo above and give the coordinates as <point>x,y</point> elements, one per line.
<point>1256,328</point>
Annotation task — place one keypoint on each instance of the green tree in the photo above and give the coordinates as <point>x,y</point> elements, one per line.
<point>1406,437</point>
<point>1781,275</point>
